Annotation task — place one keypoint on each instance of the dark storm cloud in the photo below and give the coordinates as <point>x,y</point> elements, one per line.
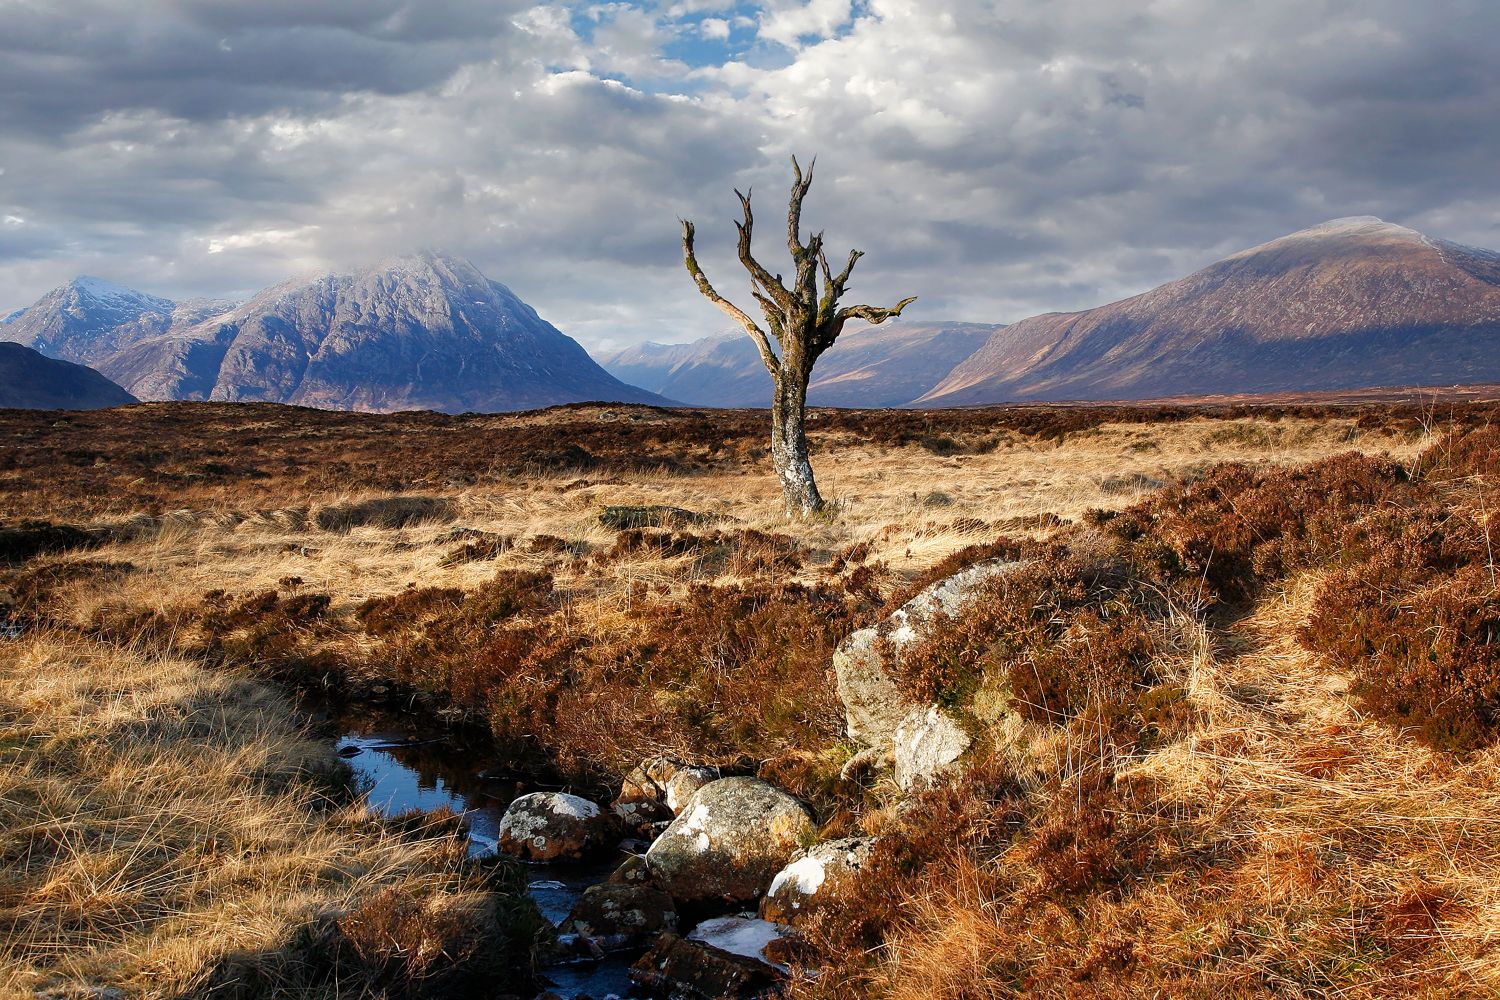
<point>997,158</point>
<point>62,65</point>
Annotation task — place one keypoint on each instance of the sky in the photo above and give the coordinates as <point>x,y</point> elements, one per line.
<point>996,159</point>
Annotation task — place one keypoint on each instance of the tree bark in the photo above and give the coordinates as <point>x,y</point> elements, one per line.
<point>799,491</point>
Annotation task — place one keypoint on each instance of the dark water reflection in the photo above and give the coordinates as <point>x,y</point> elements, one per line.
<point>402,770</point>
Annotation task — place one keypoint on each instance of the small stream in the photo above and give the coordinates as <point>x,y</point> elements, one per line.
<point>403,771</point>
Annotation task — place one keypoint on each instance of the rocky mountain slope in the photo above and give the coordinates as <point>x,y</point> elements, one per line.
<point>30,380</point>
<point>885,365</point>
<point>89,320</point>
<point>421,332</point>
<point>1351,303</point>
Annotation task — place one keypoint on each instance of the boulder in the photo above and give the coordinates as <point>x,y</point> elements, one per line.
<point>654,791</point>
<point>553,826</point>
<point>729,841</point>
<point>692,970</point>
<point>632,871</point>
<point>746,936</point>
<point>617,915</point>
<point>928,745</point>
<point>874,706</point>
<point>685,783</point>
<point>640,816</point>
<point>815,875</point>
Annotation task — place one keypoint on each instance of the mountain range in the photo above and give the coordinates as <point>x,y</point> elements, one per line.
<point>877,366</point>
<point>1348,304</point>
<point>427,331</point>
<point>1353,303</point>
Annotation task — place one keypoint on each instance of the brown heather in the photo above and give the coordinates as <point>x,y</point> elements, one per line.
<point>1236,720</point>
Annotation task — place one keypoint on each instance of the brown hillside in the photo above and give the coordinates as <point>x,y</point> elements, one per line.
<point>1349,304</point>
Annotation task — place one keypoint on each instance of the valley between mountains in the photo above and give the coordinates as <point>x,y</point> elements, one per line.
<point>1198,697</point>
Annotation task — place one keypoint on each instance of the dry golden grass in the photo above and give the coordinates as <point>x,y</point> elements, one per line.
<point>914,508</point>
<point>157,819</point>
<point>1320,849</point>
<point>1333,857</point>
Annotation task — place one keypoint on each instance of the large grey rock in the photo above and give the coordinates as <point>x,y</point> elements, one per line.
<point>815,876</point>
<point>553,826</point>
<point>729,841</point>
<point>927,748</point>
<point>874,706</point>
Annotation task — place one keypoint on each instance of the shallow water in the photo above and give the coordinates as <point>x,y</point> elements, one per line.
<point>402,772</point>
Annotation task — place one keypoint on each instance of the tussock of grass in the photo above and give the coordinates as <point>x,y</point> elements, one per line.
<point>165,829</point>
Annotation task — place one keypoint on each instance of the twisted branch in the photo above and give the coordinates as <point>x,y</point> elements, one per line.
<point>803,323</point>
<point>690,257</point>
<point>770,285</point>
<point>872,314</point>
<point>800,187</point>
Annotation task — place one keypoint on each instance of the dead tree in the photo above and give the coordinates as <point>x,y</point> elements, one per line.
<point>804,320</point>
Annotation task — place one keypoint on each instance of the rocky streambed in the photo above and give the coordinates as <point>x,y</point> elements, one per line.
<point>687,884</point>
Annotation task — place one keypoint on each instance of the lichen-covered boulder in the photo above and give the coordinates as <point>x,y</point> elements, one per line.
<point>729,841</point>
<point>555,826</point>
<point>873,705</point>
<point>655,791</point>
<point>686,781</point>
<point>692,970</point>
<point>928,746</point>
<point>618,916</point>
<point>815,876</point>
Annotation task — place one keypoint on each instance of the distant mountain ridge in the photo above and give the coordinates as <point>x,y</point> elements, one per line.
<point>878,366</point>
<point>30,380</point>
<point>1352,303</point>
<point>426,331</point>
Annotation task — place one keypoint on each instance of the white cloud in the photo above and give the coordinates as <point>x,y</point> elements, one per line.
<point>790,21</point>
<point>996,157</point>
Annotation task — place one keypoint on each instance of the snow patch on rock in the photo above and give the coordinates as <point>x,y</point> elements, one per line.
<point>806,875</point>
<point>747,937</point>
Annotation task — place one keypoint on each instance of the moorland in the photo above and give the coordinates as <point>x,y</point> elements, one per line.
<point>1234,722</point>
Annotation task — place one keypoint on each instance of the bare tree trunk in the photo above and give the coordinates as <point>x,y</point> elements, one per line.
<point>799,491</point>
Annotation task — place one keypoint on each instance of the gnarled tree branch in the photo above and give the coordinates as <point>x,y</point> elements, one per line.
<point>872,314</point>
<point>770,284</point>
<point>690,257</point>
<point>800,187</point>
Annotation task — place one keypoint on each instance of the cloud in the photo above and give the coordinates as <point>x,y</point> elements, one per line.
<point>790,21</point>
<point>997,158</point>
